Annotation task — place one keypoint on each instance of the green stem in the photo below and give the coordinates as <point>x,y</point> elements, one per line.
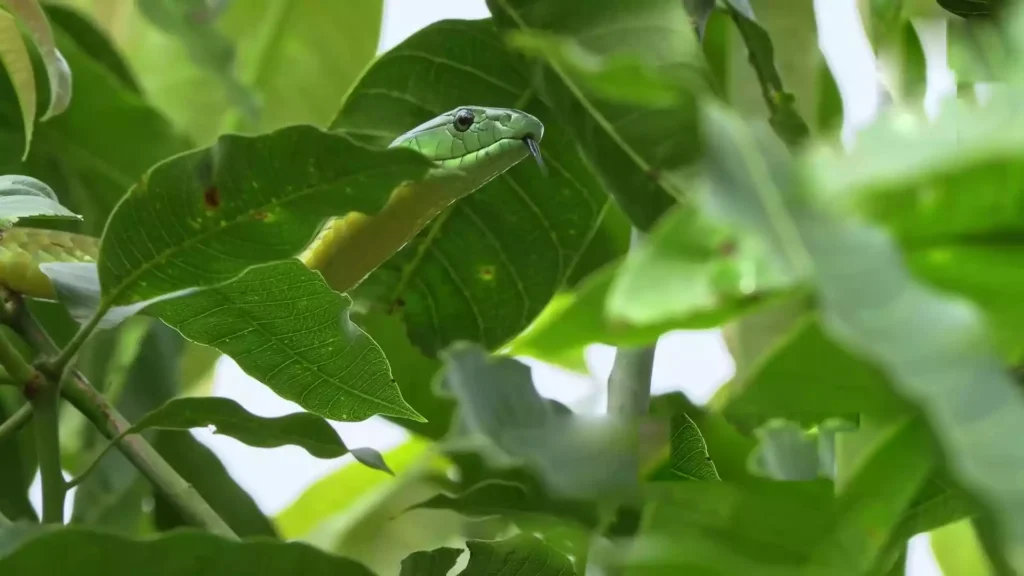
<point>629,385</point>
<point>112,424</point>
<point>24,375</point>
<point>143,456</point>
<point>16,422</point>
<point>45,406</point>
<point>57,366</point>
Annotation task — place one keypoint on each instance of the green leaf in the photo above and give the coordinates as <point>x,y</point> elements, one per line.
<point>18,65</point>
<point>242,202</point>
<point>31,14</point>
<point>807,378</point>
<point>193,21</point>
<point>29,549</point>
<point>629,146</point>
<point>512,500</point>
<point>783,115</point>
<point>689,458</point>
<point>297,59</point>
<point>436,562</point>
<point>573,455</point>
<point>287,329</point>
<point>934,348</point>
<point>93,41</point>
<point>25,197</point>
<point>201,468</point>
<point>958,552</point>
<point>522,555</point>
<point>516,240</point>
<point>973,8</point>
<point>786,451</point>
<point>310,432</point>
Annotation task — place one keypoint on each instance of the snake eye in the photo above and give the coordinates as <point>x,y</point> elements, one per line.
<point>464,119</point>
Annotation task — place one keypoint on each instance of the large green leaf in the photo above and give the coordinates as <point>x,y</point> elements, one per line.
<point>202,218</point>
<point>29,550</point>
<point>630,146</point>
<point>934,348</point>
<point>92,40</point>
<point>25,197</point>
<point>308,431</point>
<point>436,562</point>
<point>522,555</point>
<point>287,329</point>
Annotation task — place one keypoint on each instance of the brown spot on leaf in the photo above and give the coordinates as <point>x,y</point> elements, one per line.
<point>211,198</point>
<point>486,273</point>
<point>260,215</point>
<point>397,305</point>
<point>727,248</point>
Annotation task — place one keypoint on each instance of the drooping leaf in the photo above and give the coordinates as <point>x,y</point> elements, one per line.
<point>574,455</point>
<point>308,431</point>
<point>31,14</point>
<point>957,381</point>
<point>436,562</point>
<point>514,241</point>
<point>29,549</point>
<point>523,555</point>
<point>629,146</point>
<point>95,42</point>
<point>18,68</point>
<point>974,8</point>
<point>26,197</point>
<point>690,458</point>
<point>511,500</point>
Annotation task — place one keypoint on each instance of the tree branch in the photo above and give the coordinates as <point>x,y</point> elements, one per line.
<point>629,385</point>
<point>112,424</point>
<point>16,422</point>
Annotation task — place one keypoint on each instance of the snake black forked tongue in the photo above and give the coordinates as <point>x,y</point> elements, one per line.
<point>534,149</point>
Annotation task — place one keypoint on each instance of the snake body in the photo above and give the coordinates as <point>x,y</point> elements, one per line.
<point>469,146</point>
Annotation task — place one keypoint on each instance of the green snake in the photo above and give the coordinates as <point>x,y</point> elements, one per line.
<point>469,146</point>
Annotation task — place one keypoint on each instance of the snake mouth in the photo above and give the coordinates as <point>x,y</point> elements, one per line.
<point>534,147</point>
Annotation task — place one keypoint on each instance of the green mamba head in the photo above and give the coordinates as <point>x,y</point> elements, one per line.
<point>476,143</point>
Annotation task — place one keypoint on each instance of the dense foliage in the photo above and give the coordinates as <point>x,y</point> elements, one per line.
<point>696,179</point>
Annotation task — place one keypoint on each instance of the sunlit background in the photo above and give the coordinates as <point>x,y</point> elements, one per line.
<point>696,362</point>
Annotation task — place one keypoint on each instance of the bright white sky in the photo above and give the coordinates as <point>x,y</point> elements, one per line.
<point>695,362</point>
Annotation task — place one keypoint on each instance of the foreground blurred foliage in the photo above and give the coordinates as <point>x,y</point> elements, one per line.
<point>867,291</point>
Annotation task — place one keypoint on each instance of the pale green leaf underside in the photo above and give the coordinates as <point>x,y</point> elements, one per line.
<point>18,66</point>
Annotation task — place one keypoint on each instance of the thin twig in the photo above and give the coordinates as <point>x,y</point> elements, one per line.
<point>16,422</point>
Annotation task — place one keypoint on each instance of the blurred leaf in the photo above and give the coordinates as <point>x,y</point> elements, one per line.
<point>690,268</point>
<point>18,66</point>
<point>29,549</point>
<point>89,154</point>
<point>483,269</point>
<point>510,500</point>
<point>26,197</point>
<point>31,14</point>
<point>700,11</point>
<point>973,8</point>
<point>201,468</point>
<point>342,489</point>
<point>522,555</point>
<point>584,458</point>
<point>934,348</point>
<point>436,562</point>
<point>830,112</point>
<point>783,115</point>
<point>807,378</point>
<point>308,431</point>
<point>227,199</point>
<point>287,329</point>
<point>690,457</point>
<point>936,504</point>
<point>198,366</point>
<point>194,22</point>
<point>958,552</point>
<point>630,147</point>
<point>93,41</point>
<point>785,451</point>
